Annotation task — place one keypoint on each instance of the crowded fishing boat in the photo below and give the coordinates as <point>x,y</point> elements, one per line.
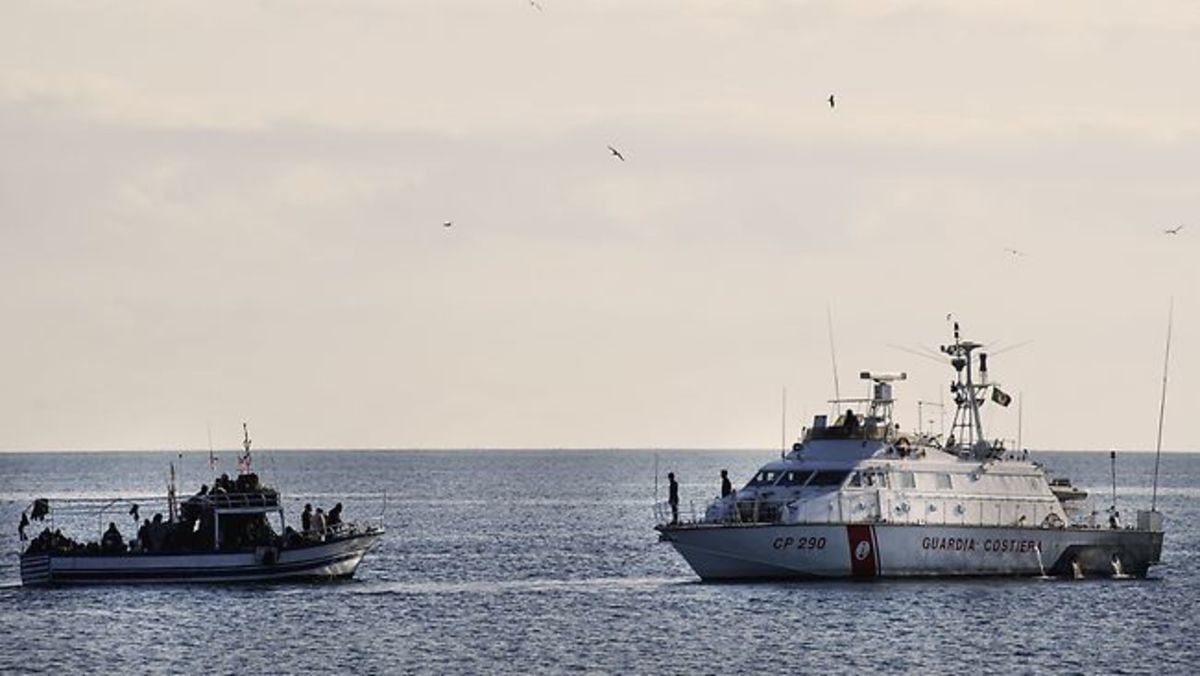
<point>235,530</point>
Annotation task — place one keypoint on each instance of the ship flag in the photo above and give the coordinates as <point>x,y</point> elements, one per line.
<point>1000,396</point>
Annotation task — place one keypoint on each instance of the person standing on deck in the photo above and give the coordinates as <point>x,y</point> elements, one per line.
<point>726,487</point>
<point>22,526</point>
<point>673,497</point>
<point>306,519</point>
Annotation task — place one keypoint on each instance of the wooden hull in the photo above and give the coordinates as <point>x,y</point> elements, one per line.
<point>322,561</point>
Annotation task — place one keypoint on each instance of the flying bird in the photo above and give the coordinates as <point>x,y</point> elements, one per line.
<point>1014,252</point>
<point>616,153</point>
<point>1173,231</point>
<point>447,224</point>
<point>535,5</point>
<point>831,101</point>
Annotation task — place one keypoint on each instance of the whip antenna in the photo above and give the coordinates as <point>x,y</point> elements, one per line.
<point>1162,404</point>
<point>837,390</point>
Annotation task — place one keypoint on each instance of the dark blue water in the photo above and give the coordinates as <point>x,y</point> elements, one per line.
<point>499,561</point>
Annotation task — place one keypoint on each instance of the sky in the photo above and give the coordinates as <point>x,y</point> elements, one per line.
<point>221,211</point>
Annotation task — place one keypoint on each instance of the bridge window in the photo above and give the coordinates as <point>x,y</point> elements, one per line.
<point>943,482</point>
<point>829,478</point>
<point>766,477</point>
<point>908,480</point>
<point>794,477</point>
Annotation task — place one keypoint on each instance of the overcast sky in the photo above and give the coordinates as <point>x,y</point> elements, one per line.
<point>222,211</point>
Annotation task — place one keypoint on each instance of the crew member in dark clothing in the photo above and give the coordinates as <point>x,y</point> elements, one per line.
<point>850,422</point>
<point>673,497</point>
<point>726,487</point>
<point>112,542</point>
<point>23,525</point>
<point>143,536</point>
<point>306,519</point>
<point>335,515</point>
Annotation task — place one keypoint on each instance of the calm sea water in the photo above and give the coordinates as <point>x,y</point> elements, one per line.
<point>546,561</point>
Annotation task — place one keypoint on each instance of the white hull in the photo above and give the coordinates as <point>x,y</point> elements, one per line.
<point>733,552</point>
<point>335,559</point>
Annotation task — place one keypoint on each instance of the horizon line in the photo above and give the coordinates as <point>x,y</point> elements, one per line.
<point>485,449</point>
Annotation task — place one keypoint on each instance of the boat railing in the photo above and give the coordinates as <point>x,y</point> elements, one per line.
<point>663,514</point>
<point>880,507</point>
<point>236,500</point>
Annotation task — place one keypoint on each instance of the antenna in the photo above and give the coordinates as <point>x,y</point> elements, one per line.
<point>837,390</point>
<point>1162,405</point>
<point>921,404</point>
<point>1020,415</point>
<point>656,479</point>
<point>783,426</point>
<point>1112,456</point>
<point>212,458</point>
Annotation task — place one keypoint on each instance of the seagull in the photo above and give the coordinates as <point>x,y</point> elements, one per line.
<point>1014,251</point>
<point>1173,231</point>
<point>447,224</point>
<point>616,153</point>
<point>535,5</point>
<point>830,99</point>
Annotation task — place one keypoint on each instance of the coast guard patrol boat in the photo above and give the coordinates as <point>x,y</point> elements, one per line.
<point>862,498</point>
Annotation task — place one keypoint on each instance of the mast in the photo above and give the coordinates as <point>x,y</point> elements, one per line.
<point>1162,405</point>
<point>968,394</point>
<point>244,461</point>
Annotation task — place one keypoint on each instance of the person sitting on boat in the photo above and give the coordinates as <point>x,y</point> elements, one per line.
<point>22,526</point>
<point>306,518</point>
<point>112,542</point>
<point>222,484</point>
<point>335,516</point>
<point>1114,519</point>
<point>318,523</point>
<point>726,486</point>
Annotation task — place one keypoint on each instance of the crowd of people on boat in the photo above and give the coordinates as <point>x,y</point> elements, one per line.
<point>194,528</point>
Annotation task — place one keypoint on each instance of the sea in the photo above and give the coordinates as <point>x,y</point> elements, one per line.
<point>546,561</point>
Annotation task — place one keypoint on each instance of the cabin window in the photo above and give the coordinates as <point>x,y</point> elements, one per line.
<point>856,481</point>
<point>766,477</point>
<point>794,477</point>
<point>908,480</point>
<point>943,482</point>
<point>829,478</point>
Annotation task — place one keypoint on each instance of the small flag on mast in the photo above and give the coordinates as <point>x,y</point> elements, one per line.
<point>1000,397</point>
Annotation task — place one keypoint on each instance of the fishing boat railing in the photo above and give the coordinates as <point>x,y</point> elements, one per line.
<point>235,500</point>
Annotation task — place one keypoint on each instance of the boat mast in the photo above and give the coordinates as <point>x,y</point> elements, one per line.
<point>967,419</point>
